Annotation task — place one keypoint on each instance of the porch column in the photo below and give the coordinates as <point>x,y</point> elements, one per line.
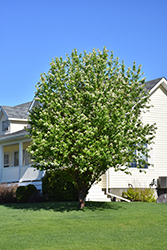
<point>1,162</point>
<point>20,158</point>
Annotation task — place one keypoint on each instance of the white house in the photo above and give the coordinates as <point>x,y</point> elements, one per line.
<point>15,165</point>
<point>14,161</point>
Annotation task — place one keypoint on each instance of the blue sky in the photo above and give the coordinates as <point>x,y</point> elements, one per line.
<point>32,32</point>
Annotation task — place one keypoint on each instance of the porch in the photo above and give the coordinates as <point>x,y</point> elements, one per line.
<point>15,165</point>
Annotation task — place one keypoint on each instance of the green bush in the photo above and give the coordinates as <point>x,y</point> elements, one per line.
<point>30,189</point>
<point>23,193</point>
<point>20,194</point>
<point>57,186</point>
<point>8,193</point>
<point>138,194</point>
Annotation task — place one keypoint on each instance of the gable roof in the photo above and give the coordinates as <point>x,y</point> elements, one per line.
<point>21,111</point>
<point>151,86</point>
<point>17,112</point>
<point>152,83</point>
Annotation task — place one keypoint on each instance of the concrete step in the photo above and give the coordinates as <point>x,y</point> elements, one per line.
<point>96,194</point>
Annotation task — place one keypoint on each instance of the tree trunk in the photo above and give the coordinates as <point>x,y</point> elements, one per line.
<point>82,195</point>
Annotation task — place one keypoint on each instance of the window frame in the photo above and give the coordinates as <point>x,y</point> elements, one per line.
<point>134,163</point>
<point>8,127</point>
<point>17,151</point>
<point>26,158</point>
<point>6,165</point>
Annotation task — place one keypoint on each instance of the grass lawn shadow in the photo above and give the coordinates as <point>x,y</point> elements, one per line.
<point>65,206</point>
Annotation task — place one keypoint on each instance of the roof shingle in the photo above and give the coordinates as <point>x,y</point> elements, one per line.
<point>20,133</point>
<point>152,83</point>
<point>18,112</point>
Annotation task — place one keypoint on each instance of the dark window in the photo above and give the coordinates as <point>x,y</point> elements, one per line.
<point>16,158</point>
<point>6,160</point>
<point>5,126</point>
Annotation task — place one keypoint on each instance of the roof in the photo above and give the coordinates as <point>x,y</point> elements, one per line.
<point>20,133</point>
<point>18,112</point>
<point>152,83</point>
<point>21,111</point>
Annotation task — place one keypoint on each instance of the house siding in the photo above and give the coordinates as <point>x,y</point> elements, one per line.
<point>16,126</point>
<point>156,115</point>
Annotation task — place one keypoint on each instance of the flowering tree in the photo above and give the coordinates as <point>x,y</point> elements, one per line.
<point>89,118</point>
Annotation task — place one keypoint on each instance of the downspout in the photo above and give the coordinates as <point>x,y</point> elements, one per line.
<point>113,195</point>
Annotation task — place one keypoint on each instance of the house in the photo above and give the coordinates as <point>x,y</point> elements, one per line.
<point>15,164</point>
<point>14,160</point>
<point>156,175</point>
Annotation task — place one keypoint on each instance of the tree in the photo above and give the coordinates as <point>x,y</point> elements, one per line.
<point>89,118</point>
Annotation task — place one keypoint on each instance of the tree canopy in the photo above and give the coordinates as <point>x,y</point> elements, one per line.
<point>88,117</point>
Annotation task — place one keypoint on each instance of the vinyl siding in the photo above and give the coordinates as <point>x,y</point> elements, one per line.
<point>16,126</point>
<point>158,115</point>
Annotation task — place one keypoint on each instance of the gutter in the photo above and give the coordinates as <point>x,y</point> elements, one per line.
<point>113,195</point>
<point>16,119</point>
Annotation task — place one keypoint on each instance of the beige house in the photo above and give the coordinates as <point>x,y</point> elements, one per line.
<point>156,176</point>
<point>15,164</point>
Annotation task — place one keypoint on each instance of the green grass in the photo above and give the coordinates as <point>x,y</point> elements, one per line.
<point>59,225</point>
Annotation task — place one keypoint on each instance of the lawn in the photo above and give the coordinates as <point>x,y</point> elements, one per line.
<point>59,225</point>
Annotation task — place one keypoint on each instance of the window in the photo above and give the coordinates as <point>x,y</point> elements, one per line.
<point>5,126</point>
<point>16,158</point>
<point>142,157</point>
<point>11,155</point>
<point>6,160</point>
<point>133,163</point>
<point>26,159</point>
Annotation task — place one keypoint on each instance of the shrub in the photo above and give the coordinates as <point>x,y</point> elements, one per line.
<point>8,193</point>
<point>30,189</point>
<point>36,197</point>
<point>138,194</point>
<point>20,194</point>
<point>57,186</point>
<point>147,195</point>
<point>23,193</point>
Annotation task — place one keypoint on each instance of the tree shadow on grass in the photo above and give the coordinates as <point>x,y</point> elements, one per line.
<point>65,206</point>
<point>103,205</point>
